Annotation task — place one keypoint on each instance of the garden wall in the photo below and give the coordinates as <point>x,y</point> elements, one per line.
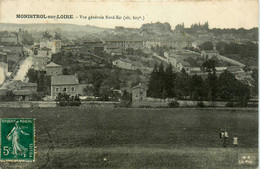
<point>43,104</point>
<point>182,103</point>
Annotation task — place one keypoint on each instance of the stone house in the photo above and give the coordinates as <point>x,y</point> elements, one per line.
<point>139,93</point>
<point>124,64</point>
<point>208,54</point>
<point>45,52</point>
<point>68,84</point>
<point>40,62</point>
<point>54,45</point>
<point>53,69</point>
<point>22,91</point>
<point>10,38</point>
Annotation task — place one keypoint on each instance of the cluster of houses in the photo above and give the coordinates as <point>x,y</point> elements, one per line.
<point>149,36</point>
<point>68,84</point>
<point>60,83</point>
<point>43,52</point>
<point>180,60</point>
<point>13,38</point>
<point>11,48</point>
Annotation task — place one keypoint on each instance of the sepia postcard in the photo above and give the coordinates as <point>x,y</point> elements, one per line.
<point>129,84</point>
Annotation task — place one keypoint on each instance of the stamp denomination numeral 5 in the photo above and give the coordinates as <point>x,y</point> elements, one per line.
<point>6,150</point>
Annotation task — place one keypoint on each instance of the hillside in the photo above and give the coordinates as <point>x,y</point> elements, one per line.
<point>51,27</point>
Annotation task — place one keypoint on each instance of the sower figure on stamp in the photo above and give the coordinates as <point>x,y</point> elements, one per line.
<point>14,135</point>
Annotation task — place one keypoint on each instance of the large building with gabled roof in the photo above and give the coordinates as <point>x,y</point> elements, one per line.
<point>68,84</point>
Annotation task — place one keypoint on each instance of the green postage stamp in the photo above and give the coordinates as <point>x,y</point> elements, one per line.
<point>17,140</point>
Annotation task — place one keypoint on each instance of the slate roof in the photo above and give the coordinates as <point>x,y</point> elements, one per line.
<point>64,80</point>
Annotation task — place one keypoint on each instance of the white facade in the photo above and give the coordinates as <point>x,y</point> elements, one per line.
<point>122,64</point>
<point>54,45</point>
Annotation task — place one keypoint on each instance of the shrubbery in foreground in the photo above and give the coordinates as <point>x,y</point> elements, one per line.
<point>64,99</point>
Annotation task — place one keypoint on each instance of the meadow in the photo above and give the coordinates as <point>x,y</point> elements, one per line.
<point>130,138</point>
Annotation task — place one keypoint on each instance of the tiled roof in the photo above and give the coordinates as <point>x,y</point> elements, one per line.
<point>22,92</point>
<point>45,48</point>
<point>64,80</point>
<point>53,65</point>
<point>140,86</point>
<point>123,60</point>
<point>184,63</point>
<point>210,51</point>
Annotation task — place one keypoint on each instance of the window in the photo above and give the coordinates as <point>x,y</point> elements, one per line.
<point>57,89</point>
<point>141,93</point>
<point>64,89</point>
<point>72,89</point>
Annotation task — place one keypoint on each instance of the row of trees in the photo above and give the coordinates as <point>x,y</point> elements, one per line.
<point>47,35</point>
<point>43,81</point>
<point>164,83</point>
<point>196,27</point>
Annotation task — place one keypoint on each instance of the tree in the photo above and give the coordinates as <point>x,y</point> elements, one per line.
<point>46,35</point>
<point>57,35</point>
<point>126,96</point>
<point>40,82</point>
<point>227,84</point>
<point>65,71</point>
<point>182,84</point>
<point>170,78</point>
<point>206,46</point>
<point>89,90</point>
<point>43,81</point>
<point>136,81</point>
<point>212,86</point>
<point>197,87</point>
<point>221,47</point>
<point>9,96</point>
<point>255,83</point>
<point>130,51</point>
<point>32,75</point>
<point>153,85</point>
<point>242,92</point>
<point>97,80</point>
<point>209,66</point>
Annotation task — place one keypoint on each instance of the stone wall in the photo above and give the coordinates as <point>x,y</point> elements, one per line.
<point>182,103</point>
<point>45,104</point>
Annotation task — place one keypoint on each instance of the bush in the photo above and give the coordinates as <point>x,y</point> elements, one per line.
<point>9,96</point>
<point>174,104</point>
<point>69,103</point>
<point>230,104</point>
<point>64,99</point>
<point>201,104</point>
<point>36,96</point>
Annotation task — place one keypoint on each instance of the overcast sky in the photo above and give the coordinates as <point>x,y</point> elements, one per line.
<point>220,14</point>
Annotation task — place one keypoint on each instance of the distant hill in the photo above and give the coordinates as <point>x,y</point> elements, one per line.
<point>51,27</point>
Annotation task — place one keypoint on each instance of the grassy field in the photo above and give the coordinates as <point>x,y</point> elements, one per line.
<point>138,138</point>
